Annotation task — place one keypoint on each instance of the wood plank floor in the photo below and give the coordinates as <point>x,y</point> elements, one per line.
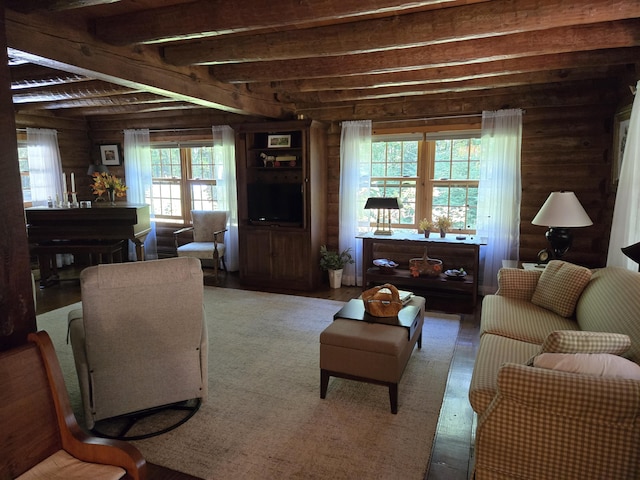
<point>451,457</point>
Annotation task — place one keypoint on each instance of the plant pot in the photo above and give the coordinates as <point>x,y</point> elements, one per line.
<point>335,278</point>
<point>443,233</point>
<point>427,233</point>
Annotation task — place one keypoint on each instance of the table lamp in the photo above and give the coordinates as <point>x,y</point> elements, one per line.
<point>94,168</point>
<point>384,204</point>
<point>560,212</point>
<point>633,252</point>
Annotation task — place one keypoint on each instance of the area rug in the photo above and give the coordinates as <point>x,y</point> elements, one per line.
<point>264,418</point>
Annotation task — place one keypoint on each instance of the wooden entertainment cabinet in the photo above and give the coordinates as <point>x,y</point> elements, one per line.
<point>401,247</point>
<point>281,178</point>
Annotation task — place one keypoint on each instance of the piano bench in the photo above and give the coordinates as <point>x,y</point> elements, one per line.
<point>99,251</point>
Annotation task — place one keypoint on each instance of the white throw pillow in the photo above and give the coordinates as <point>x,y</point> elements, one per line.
<point>600,364</point>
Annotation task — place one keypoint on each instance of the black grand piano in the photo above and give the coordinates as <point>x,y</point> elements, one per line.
<point>68,230</point>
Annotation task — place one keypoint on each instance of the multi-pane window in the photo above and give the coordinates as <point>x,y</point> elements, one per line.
<point>23,161</point>
<point>184,179</point>
<point>432,176</point>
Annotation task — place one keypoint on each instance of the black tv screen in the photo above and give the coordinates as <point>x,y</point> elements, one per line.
<point>275,203</point>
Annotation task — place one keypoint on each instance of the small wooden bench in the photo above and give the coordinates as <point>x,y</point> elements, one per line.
<point>98,251</point>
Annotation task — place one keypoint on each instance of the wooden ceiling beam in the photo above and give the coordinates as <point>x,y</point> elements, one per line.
<point>88,89</point>
<point>205,18</point>
<point>492,19</point>
<point>436,75</point>
<point>51,42</point>
<point>26,6</point>
<point>620,34</point>
<point>501,81</point>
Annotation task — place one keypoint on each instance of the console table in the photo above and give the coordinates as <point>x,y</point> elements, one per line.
<point>401,247</point>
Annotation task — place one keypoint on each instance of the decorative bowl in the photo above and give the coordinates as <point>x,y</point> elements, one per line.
<point>456,274</point>
<point>384,265</point>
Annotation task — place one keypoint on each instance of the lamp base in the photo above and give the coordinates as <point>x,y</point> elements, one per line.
<point>383,232</point>
<point>560,239</point>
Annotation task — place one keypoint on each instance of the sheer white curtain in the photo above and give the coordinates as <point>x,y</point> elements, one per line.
<point>45,166</point>
<point>224,148</point>
<point>45,173</point>
<point>499,192</point>
<point>137,171</point>
<point>625,228</point>
<point>355,172</point>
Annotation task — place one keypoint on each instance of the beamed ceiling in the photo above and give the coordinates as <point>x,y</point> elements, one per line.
<point>335,59</point>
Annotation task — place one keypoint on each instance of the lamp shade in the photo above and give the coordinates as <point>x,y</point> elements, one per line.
<point>97,169</point>
<point>633,252</point>
<point>562,209</point>
<point>391,203</point>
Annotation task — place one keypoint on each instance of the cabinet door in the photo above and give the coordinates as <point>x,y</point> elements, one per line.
<point>255,254</point>
<point>290,254</point>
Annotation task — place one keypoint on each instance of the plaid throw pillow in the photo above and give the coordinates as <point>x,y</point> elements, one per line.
<point>560,286</point>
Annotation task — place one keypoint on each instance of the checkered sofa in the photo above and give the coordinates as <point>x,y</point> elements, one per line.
<point>541,423</point>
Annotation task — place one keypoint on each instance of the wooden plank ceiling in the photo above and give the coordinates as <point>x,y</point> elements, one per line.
<point>334,58</point>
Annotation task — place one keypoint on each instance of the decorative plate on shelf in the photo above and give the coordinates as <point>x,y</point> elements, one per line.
<point>455,274</point>
<point>385,265</point>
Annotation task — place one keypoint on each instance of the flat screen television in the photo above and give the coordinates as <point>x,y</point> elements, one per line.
<point>275,203</point>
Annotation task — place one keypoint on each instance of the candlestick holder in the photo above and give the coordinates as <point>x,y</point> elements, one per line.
<point>74,200</point>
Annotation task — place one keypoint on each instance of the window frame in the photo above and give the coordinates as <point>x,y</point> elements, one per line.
<point>425,181</point>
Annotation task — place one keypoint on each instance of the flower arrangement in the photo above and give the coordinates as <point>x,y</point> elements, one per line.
<point>425,225</point>
<point>103,182</point>
<point>443,222</point>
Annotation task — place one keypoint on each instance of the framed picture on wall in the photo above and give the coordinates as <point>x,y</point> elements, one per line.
<point>110,154</point>
<point>620,132</point>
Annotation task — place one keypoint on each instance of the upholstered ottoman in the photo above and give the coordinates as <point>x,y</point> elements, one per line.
<point>370,352</point>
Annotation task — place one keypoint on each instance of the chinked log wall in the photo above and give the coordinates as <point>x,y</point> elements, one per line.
<point>567,140</point>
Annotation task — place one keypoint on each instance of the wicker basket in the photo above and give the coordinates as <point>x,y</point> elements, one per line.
<point>429,267</point>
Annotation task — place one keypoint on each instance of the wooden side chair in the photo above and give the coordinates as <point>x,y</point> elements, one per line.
<point>208,230</point>
<point>40,437</point>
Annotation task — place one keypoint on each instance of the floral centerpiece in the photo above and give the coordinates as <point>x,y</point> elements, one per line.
<point>105,182</point>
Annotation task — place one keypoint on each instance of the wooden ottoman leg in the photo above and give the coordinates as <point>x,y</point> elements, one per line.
<point>393,397</point>
<point>324,382</point>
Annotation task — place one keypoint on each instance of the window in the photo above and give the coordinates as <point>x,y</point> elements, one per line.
<point>23,161</point>
<point>432,174</point>
<point>184,179</point>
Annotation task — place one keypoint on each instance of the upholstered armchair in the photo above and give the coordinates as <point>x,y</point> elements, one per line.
<point>140,340</point>
<point>208,237</point>
<point>40,437</point>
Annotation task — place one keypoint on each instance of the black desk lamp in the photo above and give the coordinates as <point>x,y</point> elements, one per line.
<point>633,252</point>
<point>385,204</point>
<point>560,212</point>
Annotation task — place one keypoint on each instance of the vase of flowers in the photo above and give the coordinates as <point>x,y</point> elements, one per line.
<point>425,225</point>
<point>112,185</point>
<point>444,224</point>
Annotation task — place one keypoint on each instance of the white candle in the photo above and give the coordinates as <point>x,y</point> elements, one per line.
<point>73,182</point>
<point>64,183</point>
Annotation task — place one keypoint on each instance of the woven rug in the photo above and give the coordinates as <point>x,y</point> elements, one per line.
<point>264,418</point>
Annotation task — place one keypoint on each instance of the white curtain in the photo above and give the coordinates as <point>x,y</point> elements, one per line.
<point>355,172</point>
<point>499,193</point>
<point>224,148</point>
<point>625,228</point>
<point>45,166</point>
<point>137,171</point>
<point>45,174</point>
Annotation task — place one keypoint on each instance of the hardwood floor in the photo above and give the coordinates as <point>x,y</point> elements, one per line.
<point>451,456</point>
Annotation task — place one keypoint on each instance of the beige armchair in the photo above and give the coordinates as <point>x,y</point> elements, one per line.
<point>208,237</point>
<point>140,340</point>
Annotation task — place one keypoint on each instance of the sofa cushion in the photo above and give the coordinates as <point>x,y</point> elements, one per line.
<point>560,287</point>
<point>611,303</point>
<point>520,319</point>
<point>600,364</point>
<point>517,283</point>
<point>493,352</point>
<point>576,341</point>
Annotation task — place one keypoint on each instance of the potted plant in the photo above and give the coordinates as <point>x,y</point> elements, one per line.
<point>444,223</point>
<point>425,225</point>
<point>334,263</point>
